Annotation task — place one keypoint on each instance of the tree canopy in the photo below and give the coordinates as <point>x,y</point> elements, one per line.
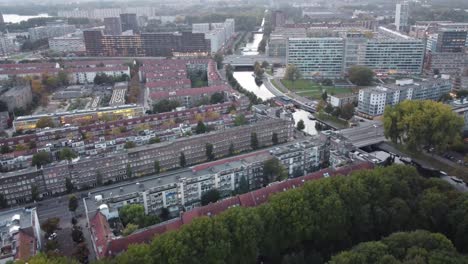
<point>323,218</point>
<point>45,122</point>
<point>292,73</point>
<point>361,75</point>
<point>165,106</point>
<point>422,123</point>
<point>67,154</point>
<point>411,247</point>
<point>210,196</point>
<point>41,158</point>
<point>135,214</point>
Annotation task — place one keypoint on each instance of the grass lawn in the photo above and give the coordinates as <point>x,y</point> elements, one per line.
<point>309,88</point>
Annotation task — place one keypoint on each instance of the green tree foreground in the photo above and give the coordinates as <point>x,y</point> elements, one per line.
<point>422,123</point>
<point>321,218</point>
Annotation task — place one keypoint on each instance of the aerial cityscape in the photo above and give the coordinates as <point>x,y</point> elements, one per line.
<point>234,131</point>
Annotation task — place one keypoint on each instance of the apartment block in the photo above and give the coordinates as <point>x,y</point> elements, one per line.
<point>317,57</point>
<point>50,31</point>
<point>372,101</point>
<point>17,97</point>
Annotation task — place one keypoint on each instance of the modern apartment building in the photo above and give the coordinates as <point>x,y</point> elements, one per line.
<point>129,22</point>
<point>385,51</point>
<point>7,45</point>
<point>392,52</point>
<point>217,33</point>
<point>372,101</point>
<point>402,15</point>
<point>317,57</point>
<point>144,44</point>
<point>67,44</point>
<point>50,31</point>
<point>113,26</point>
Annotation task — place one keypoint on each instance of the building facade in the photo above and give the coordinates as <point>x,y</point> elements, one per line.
<point>113,26</point>
<point>372,101</point>
<point>317,57</point>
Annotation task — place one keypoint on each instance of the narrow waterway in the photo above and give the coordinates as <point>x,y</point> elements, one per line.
<point>247,80</point>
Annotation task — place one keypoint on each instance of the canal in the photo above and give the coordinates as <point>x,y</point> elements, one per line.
<point>247,80</point>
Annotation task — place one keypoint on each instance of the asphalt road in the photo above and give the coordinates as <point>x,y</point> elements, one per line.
<point>462,187</point>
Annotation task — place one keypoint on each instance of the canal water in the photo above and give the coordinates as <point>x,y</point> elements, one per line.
<point>247,80</point>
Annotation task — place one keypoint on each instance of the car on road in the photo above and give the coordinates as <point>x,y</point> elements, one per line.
<point>457,180</point>
<point>53,236</point>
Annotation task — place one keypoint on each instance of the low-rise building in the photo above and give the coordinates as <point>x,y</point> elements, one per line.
<point>340,100</point>
<point>87,75</point>
<point>67,44</point>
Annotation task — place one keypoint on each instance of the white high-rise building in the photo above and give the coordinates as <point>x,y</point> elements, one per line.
<point>401,15</point>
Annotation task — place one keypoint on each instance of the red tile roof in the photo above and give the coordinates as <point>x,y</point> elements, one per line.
<point>27,66</point>
<point>35,71</point>
<point>101,232</point>
<point>26,247</point>
<point>81,63</point>
<point>169,83</point>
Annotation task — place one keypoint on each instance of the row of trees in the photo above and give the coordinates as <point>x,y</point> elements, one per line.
<point>403,247</point>
<point>102,78</point>
<point>318,220</point>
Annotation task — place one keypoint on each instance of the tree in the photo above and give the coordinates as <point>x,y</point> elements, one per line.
<point>67,154</point>
<point>3,201</point>
<point>3,106</point>
<point>329,108</point>
<point>129,145</point>
<point>129,229</point>
<point>300,125</point>
<point>98,178</point>
<point>218,58</point>
<point>34,192</point>
<point>217,98</point>
<point>336,112</point>
<point>72,203</point>
<point>265,64</point>
<point>165,106</point>
<point>164,214</point>
<point>254,141</point>
<point>74,221</point>
<point>274,138</point>
<point>211,196</point>
<point>240,120</point>
<point>129,171</point>
<point>135,214</point>
<point>244,186</point>
<point>41,158</point>
<point>182,161</point>
<point>258,70</point>
<point>50,225</point>
<point>5,149</point>
<point>361,75</point>
<point>325,96</point>
<point>157,167</point>
<point>231,149</point>
<point>81,252</point>
<point>273,171</point>
<point>154,140</point>
<point>209,151</point>
<point>77,235</point>
<point>327,82</point>
<point>201,128</point>
<point>412,247</point>
<point>69,185</point>
<point>347,111</point>
<point>292,74</point>
<point>420,124</point>
<point>44,122</point>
